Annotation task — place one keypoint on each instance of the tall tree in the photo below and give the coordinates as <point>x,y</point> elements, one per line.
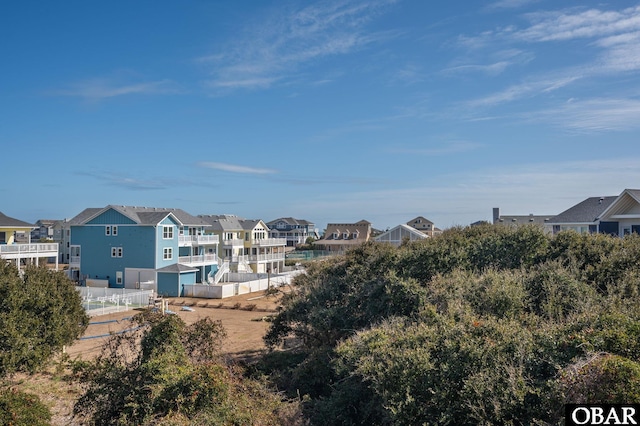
<point>40,312</point>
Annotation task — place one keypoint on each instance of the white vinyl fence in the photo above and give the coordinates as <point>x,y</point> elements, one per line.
<point>250,283</point>
<point>101,301</point>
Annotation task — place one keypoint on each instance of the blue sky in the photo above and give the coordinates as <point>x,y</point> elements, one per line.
<point>331,111</point>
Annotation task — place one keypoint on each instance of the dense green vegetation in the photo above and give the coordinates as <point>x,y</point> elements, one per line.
<point>481,325</point>
<point>40,313</point>
<point>172,374</point>
<point>22,409</point>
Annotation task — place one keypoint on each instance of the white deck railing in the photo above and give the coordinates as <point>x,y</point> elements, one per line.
<point>200,240</point>
<point>28,250</point>
<point>266,257</point>
<point>269,242</point>
<point>233,243</point>
<point>204,259</point>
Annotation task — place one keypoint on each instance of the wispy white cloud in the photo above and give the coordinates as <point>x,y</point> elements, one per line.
<point>234,168</point>
<point>571,24</point>
<point>510,4</point>
<point>616,33</point>
<point>499,62</point>
<point>465,197</point>
<point>448,148</point>
<point>526,89</point>
<point>103,88</point>
<point>409,74</point>
<point>126,181</point>
<point>280,44</point>
<point>490,69</point>
<point>594,115</point>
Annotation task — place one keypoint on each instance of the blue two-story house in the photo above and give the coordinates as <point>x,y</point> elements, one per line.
<point>142,247</point>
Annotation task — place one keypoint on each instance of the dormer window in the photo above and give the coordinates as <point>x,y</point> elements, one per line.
<point>335,235</point>
<point>355,235</point>
<point>345,235</point>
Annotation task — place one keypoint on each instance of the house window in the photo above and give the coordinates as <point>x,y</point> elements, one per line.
<point>167,253</point>
<point>335,235</point>
<point>167,232</point>
<point>118,277</point>
<point>110,230</point>
<point>116,251</point>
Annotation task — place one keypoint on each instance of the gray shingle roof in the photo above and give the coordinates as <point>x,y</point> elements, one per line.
<point>362,229</point>
<point>141,215</point>
<point>14,223</point>
<point>177,268</point>
<point>229,222</point>
<point>290,221</point>
<point>223,222</point>
<point>588,211</point>
<point>523,219</point>
<point>85,215</point>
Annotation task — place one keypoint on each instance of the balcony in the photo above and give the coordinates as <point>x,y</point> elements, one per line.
<point>21,251</point>
<point>200,260</point>
<point>269,242</point>
<point>197,240</point>
<point>236,258</point>
<point>272,257</point>
<point>234,243</point>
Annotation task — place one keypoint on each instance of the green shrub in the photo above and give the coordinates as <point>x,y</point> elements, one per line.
<point>481,325</point>
<point>601,378</point>
<point>22,409</point>
<point>171,373</point>
<point>40,312</point>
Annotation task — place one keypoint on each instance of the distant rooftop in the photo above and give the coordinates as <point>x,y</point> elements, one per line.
<point>588,211</point>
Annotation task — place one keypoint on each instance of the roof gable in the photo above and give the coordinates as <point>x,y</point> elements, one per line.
<point>400,232</point>
<point>111,216</point>
<point>130,215</point>
<point>360,230</point>
<point>627,203</point>
<point>419,219</point>
<point>251,224</point>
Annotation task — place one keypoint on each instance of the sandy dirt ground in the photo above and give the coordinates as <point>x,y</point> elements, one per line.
<point>242,316</point>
